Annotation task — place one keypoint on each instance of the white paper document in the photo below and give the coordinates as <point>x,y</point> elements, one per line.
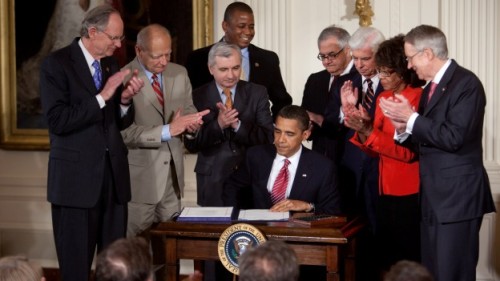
<point>262,215</point>
<point>206,214</point>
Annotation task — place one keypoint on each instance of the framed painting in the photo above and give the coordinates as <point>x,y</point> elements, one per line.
<point>27,36</point>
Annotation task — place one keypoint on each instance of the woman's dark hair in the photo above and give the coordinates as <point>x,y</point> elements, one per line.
<point>391,54</point>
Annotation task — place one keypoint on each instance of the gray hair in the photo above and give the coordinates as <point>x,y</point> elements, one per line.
<point>338,33</point>
<point>405,270</point>
<point>98,18</point>
<point>222,49</point>
<point>272,260</point>
<point>145,35</point>
<point>366,37</point>
<point>426,36</point>
<point>19,268</point>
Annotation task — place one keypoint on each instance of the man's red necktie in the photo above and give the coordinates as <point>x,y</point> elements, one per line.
<point>280,184</point>
<point>157,89</point>
<point>431,91</point>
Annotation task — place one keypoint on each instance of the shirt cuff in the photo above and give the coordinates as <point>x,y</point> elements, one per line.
<point>101,101</point>
<point>165,133</point>
<point>411,122</point>
<point>238,127</point>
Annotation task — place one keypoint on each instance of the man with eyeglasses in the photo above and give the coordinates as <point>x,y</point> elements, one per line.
<point>335,55</point>
<point>359,181</point>
<point>164,112</point>
<point>86,106</point>
<point>259,66</point>
<point>447,131</point>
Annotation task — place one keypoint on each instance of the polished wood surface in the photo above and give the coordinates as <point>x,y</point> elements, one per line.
<point>330,246</point>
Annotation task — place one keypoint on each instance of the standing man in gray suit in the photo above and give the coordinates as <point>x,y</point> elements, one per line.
<point>239,118</point>
<point>164,112</point>
<point>447,132</point>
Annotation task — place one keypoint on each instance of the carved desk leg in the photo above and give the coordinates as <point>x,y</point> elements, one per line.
<point>332,263</point>
<point>172,262</point>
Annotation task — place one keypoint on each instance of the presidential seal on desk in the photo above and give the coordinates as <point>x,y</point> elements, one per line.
<point>234,241</point>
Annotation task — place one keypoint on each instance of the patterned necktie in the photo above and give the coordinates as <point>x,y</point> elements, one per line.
<point>280,184</point>
<point>431,91</point>
<point>157,89</point>
<point>229,101</point>
<point>97,75</point>
<point>369,95</point>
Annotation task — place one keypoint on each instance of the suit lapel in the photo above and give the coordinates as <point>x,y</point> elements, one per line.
<point>240,97</point>
<point>357,81</point>
<point>440,89</point>
<point>423,100</point>
<point>81,67</point>
<point>168,89</point>
<point>302,175</point>
<point>251,61</point>
<point>214,97</point>
<point>106,70</point>
<point>265,167</point>
<point>147,90</point>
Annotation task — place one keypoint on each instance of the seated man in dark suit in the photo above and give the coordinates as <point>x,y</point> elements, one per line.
<point>285,176</point>
<point>259,66</point>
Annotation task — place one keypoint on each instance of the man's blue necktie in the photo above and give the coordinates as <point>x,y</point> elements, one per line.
<point>97,75</point>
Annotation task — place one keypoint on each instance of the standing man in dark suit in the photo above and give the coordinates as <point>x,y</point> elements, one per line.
<point>258,65</point>
<point>447,132</point>
<point>358,184</point>
<point>239,118</point>
<point>164,111</point>
<point>308,188</point>
<point>86,107</point>
<point>359,181</point>
<point>335,55</point>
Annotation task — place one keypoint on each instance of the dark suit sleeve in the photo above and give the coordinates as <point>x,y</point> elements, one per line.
<point>328,197</point>
<point>123,121</point>
<point>260,130</point>
<point>265,70</point>
<point>308,96</point>
<point>238,187</point>
<point>210,133</point>
<point>277,90</point>
<point>331,123</point>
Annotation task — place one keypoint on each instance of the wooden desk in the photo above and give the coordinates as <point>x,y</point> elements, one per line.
<point>332,246</point>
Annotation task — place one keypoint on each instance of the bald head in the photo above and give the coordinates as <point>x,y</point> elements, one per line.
<point>154,47</point>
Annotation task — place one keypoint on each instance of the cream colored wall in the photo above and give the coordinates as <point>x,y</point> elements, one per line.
<point>290,28</point>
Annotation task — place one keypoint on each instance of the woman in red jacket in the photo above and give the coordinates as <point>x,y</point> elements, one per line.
<point>398,231</point>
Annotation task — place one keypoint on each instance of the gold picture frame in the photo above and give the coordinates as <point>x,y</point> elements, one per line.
<point>12,137</point>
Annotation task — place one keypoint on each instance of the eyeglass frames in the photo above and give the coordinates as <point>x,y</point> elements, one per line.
<point>113,38</point>
<point>329,56</point>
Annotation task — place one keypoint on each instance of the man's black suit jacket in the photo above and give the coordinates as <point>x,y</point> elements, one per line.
<point>264,70</point>
<point>81,133</point>
<point>359,171</point>
<point>314,182</point>
<point>315,99</point>
<point>448,136</point>
<point>220,152</point>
